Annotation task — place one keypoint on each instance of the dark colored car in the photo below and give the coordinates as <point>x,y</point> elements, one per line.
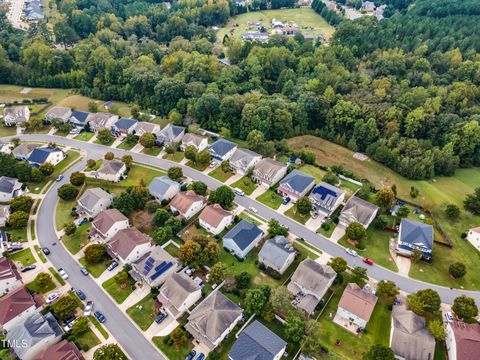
<point>100,317</point>
<point>27,268</point>
<point>46,251</point>
<point>84,271</point>
<point>80,294</point>
<point>286,201</point>
<point>112,266</point>
<point>191,355</point>
<point>200,356</point>
<point>162,316</point>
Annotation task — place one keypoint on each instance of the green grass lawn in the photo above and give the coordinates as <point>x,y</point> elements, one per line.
<point>172,250</point>
<point>177,156</point>
<point>11,93</point>
<point>97,141</point>
<point>40,254</point>
<point>440,352</point>
<point>74,243</point>
<point>87,338</point>
<point>33,287</point>
<point>116,291</point>
<point>24,257</point>
<point>99,327</point>
<point>146,316</point>
<point>96,269</point>
<point>295,215</point>
<point>248,216</point>
<point>63,212</point>
<point>246,185</point>
<point>171,351</point>
<point>220,175</point>
<point>270,198</point>
<point>7,130</point>
<point>154,151</point>
<point>126,146</point>
<point>56,275</point>
<point>17,235</point>
<point>313,171</point>
<point>197,166</point>
<point>98,163</point>
<point>84,136</point>
<point>328,232</point>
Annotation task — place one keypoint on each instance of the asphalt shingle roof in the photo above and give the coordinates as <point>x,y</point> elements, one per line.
<point>276,251</point>
<point>243,234</point>
<point>297,180</point>
<point>40,155</point>
<point>125,123</point>
<point>416,233</point>
<point>222,146</point>
<point>7,184</point>
<point>161,184</point>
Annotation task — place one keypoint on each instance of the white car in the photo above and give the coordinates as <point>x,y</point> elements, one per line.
<point>252,209</point>
<point>63,274</point>
<point>351,252</point>
<point>449,316</point>
<point>88,309</point>
<point>68,327</point>
<point>52,297</point>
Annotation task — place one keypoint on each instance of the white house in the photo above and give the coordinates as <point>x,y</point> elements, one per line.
<point>108,223</point>
<point>10,279</point>
<point>187,203</point>
<point>242,238</point>
<point>59,113</point>
<point>355,307</point>
<point>129,245</point>
<point>215,219</point>
<point>197,141</point>
<point>15,308</point>
<point>243,160</point>
<point>358,210</point>
<point>9,188</point>
<point>16,116</point>
<point>463,340</point>
<point>93,201</point>
<point>44,155</point>
<point>112,170</point>
<point>163,188</point>
<point>474,237</point>
<point>4,215</point>
<point>179,293</point>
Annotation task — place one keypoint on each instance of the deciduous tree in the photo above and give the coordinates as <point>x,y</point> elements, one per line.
<point>379,352</point>
<point>77,178</point>
<point>104,136</point>
<point>355,231</point>
<point>46,169</point>
<point>148,140</point>
<point>175,173</point>
<point>338,264</point>
<point>95,253</point>
<point>304,205</point>
<point>465,307</point>
<point>294,329</point>
<point>21,203</point>
<point>223,195</point>
<point>217,273</point>
<point>67,192</point>
<point>18,220</point>
<point>457,270</point>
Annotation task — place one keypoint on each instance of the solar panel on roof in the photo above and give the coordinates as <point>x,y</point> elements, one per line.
<point>159,266</point>
<point>161,270</point>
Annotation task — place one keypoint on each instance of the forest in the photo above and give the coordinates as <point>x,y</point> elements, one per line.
<point>404,90</point>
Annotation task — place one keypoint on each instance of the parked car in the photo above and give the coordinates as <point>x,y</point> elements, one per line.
<point>314,215</point>
<point>27,268</point>
<point>100,317</point>
<point>351,252</point>
<point>449,316</point>
<point>252,209</point>
<point>368,261</point>
<point>63,273</point>
<point>191,355</point>
<point>81,221</point>
<point>59,178</point>
<point>15,246</point>
<point>52,297</point>
<point>238,192</point>
<point>112,266</point>
<point>88,309</point>
<point>212,164</point>
<point>74,131</point>
<point>200,356</point>
<point>286,200</point>
<point>80,294</point>
<point>68,327</point>
<point>84,271</point>
<point>162,316</point>
<point>46,251</point>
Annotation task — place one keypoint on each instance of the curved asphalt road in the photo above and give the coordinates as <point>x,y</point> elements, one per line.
<point>127,334</point>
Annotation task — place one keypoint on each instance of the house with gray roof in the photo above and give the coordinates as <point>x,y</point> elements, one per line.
<point>23,151</point>
<point>33,10</point>
<point>79,119</point>
<point>296,185</point>
<point>10,188</point>
<point>36,334</point>
<point>144,127</point>
<point>415,235</point>
<point>358,210</point>
<point>277,254</point>
<point>4,215</point>
<point>242,238</point>
<point>93,201</point>
<point>112,170</point>
<point>179,293</point>
<point>268,172</point>
<point>16,116</point>
<point>222,149</point>
<point>213,319</point>
<point>243,160</point>
<point>155,266</point>
<point>124,126</point>
<point>409,337</point>
<point>257,342</point>
<point>170,134</point>
<point>325,198</point>
<point>163,188</point>
<point>9,276</point>
<point>58,113</point>
<point>101,120</point>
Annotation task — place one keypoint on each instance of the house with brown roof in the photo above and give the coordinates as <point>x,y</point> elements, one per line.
<point>268,172</point>
<point>463,340</point>
<point>179,293</point>
<point>213,319</point>
<point>129,245</point>
<point>215,219</point>
<point>15,307</point>
<point>187,203</point>
<point>64,350</point>
<point>108,223</point>
<point>355,308</point>
<point>100,120</point>
<point>10,278</point>
<point>112,170</point>
<point>154,267</point>
<point>309,283</point>
<point>197,141</point>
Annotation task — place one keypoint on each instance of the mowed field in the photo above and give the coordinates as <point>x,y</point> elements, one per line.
<point>307,20</point>
<point>435,194</point>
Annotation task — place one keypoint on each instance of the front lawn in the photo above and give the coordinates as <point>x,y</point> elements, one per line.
<point>295,215</point>
<point>271,199</point>
<point>177,156</point>
<point>246,185</point>
<point>88,338</point>
<point>143,313</point>
<point>84,136</point>
<point>98,163</point>
<point>56,275</point>
<point>171,351</point>
<point>99,327</point>
<point>220,175</point>
<point>25,257</point>
<point>33,287</point>
<point>116,291</point>
<point>154,151</point>
<point>98,141</point>
<point>40,254</point>
<point>96,269</point>
<point>331,228</point>
<point>124,145</point>
<point>63,212</point>
<point>197,166</point>
<point>74,243</point>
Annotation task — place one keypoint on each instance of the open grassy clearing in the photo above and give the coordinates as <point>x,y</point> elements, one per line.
<point>197,166</point>
<point>172,250</point>
<point>125,145</point>
<point>11,93</point>
<point>79,102</point>
<point>99,327</point>
<point>63,212</point>
<point>143,313</point>
<point>97,141</point>
<point>24,257</point>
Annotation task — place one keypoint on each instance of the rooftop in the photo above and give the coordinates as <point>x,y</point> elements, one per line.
<point>467,338</point>
<point>184,200</point>
<point>161,184</point>
<point>126,240</point>
<point>276,251</point>
<point>107,218</point>
<point>91,197</point>
<point>111,167</point>
<point>221,147</point>
<point>64,350</point>
<point>14,303</point>
<point>416,233</point>
<point>297,181</point>
<point>359,209</point>
<point>214,214</point>
<point>177,288</point>
<point>7,184</point>
<point>358,301</point>
<point>243,234</point>
<point>40,155</point>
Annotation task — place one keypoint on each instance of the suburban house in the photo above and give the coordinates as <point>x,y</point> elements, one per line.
<point>213,319</point>
<point>309,283</point>
<point>256,341</point>
<point>112,170</point>
<point>179,293</point>
<point>268,172</point>
<point>243,160</point>
<point>170,134</point>
<point>44,155</point>
<point>125,126</point>
<point>163,188</point>
<point>197,141</point>
<point>64,350</point>
<point>242,238</point>
<point>474,237</point>
<point>215,219</point>
<point>78,119</point>
<point>16,116</point>
<point>154,266</point>
<point>9,188</point>
<point>5,147</point>
<point>108,223</point>
<point>100,120</point>
<point>58,113</point>
<point>129,245</point>
<point>415,235</point>
<point>15,307</point>
<point>4,215</point>
<point>326,198</point>
<point>355,308</point>
<point>222,149</point>
<point>463,340</point>
<point>409,337</point>
<point>358,210</point>
<point>187,203</point>
<point>93,201</point>
<point>10,278</point>
<point>277,254</point>
<point>37,333</point>
<point>146,127</point>
<point>23,151</point>
<point>296,185</point>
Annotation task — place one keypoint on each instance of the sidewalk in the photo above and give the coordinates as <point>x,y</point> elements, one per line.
<point>137,148</point>
<point>233,179</point>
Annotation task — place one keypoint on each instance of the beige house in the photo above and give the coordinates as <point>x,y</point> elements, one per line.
<point>16,116</point>
<point>108,223</point>
<point>355,308</point>
<point>100,120</point>
<point>277,254</point>
<point>187,203</point>
<point>59,113</point>
<point>4,215</point>
<point>154,267</point>
<point>146,127</point>
<point>197,141</point>
<point>243,160</point>
<point>93,201</point>
<point>112,170</point>
<point>268,172</point>
<point>10,279</point>
<point>23,151</point>
<point>15,308</point>
<point>215,219</point>
<point>129,245</point>
<point>179,293</point>
<point>358,210</point>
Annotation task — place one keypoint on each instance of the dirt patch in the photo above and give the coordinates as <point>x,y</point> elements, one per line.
<point>257,280</point>
<point>142,220</point>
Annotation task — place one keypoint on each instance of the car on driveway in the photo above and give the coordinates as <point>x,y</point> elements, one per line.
<point>351,252</point>
<point>200,356</point>
<point>162,316</point>
<point>81,221</point>
<point>286,200</point>
<point>63,273</point>
<point>88,309</point>
<point>112,266</point>
<point>27,268</point>
<point>191,355</point>
<point>449,316</point>
<point>84,271</point>
<point>46,251</point>
<point>68,326</point>
<point>368,261</point>
<point>100,317</point>
<point>52,297</point>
